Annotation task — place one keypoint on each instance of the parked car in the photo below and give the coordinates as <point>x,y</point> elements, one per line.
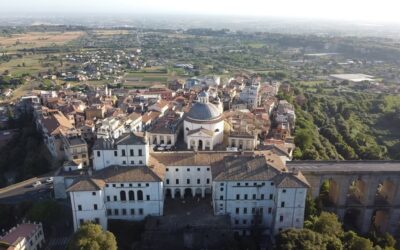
<point>50,180</point>
<point>37,183</point>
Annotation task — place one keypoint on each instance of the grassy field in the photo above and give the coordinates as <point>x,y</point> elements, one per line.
<point>37,39</point>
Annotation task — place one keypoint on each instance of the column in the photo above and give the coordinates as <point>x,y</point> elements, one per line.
<point>182,193</point>
<point>343,188</point>
<point>173,194</point>
<point>365,221</point>
<point>203,192</point>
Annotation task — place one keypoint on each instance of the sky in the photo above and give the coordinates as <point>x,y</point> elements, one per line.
<point>345,10</point>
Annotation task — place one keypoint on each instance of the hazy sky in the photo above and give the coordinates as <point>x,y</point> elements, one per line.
<point>372,10</point>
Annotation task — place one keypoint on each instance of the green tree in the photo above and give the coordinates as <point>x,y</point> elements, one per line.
<point>303,139</point>
<point>328,223</point>
<point>299,239</point>
<point>46,212</point>
<point>92,237</point>
<point>354,242</point>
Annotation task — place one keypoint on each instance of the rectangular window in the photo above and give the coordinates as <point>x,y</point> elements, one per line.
<point>254,197</point>
<point>140,211</point>
<point>221,197</point>
<point>123,211</point>
<point>198,169</point>
<point>140,162</point>
<point>270,210</point>
<point>253,210</point>
<point>115,198</point>
<point>115,153</point>
<point>262,197</point>
<point>198,181</point>
<point>271,196</point>
<point>281,218</point>
<point>131,152</point>
<point>284,191</point>
<point>116,211</point>
<point>95,206</point>
<point>132,211</point>
<point>123,152</point>
<point>245,210</point>
<point>81,221</point>
<point>236,222</point>
<point>237,210</point>
<point>244,222</point>
<point>208,181</point>
<point>140,152</point>
<point>109,211</point>
<point>221,189</point>
<point>98,153</point>
<point>188,181</point>
<point>80,207</point>
<point>93,193</point>
<point>245,196</point>
<point>108,198</point>
<point>177,181</point>
<point>188,169</point>
<point>167,181</point>
<point>133,162</point>
<point>148,197</point>
<point>124,162</point>
<point>282,204</point>
<point>97,220</point>
<point>238,197</point>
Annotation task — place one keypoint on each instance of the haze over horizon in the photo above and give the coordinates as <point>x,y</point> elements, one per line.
<point>344,10</point>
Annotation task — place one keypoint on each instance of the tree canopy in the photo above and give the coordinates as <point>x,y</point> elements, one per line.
<point>92,237</point>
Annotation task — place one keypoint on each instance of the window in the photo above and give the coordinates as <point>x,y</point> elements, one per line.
<point>237,210</point>
<point>109,211</point>
<point>115,198</point>
<point>115,153</point>
<point>133,162</point>
<point>140,184</point>
<point>140,152</point>
<point>95,206</point>
<point>131,195</point>
<point>255,184</point>
<point>131,152</point>
<point>98,153</point>
<point>270,210</point>
<point>124,162</point>
<point>116,211</point>
<point>198,169</point>
<point>132,211</point>
<point>106,185</point>
<point>282,204</point>
<point>80,207</point>
<point>262,197</point>
<point>272,183</point>
<point>93,193</point>
<point>208,181</point>
<point>123,211</point>
<point>167,181</point>
<point>140,211</point>
<point>140,195</point>
<point>208,169</point>
<point>253,210</point>
<point>283,190</point>
<point>122,185</point>
<point>108,198</point>
<point>177,181</point>
<point>281,218</point>
<point>113,185</point>
<point>245,210</point>
<point>238,197</point>
<point>167,169</point>
<point>81,221</point>
<point>221,197</point>
<point>140,162</point>
<point>238,184</point>
<point>236,222</point>
<point>188,169</point>
<point>148,197</point>
<point>130,184</point>
<point>246,184</point>
<point>97,220</point>
<point>122,195</point>
<point>147,184</point>
<point>198,181</point>
<point>245,196</point>
<point>176,169</point>
<point>123,152</point>
<point>271,196</point>
<point>221,189</point>
<point>254,197</point>
<point>244,222</point>
<point>187,181</point>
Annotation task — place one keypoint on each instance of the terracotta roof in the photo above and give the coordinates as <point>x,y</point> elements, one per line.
<point>21,231</point>
<point>291,180</point>
<point>131,139</point>
<point>127,174</point>
<point>150,116</point>
<point>86,184</point>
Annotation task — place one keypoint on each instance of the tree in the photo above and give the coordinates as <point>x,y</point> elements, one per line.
<point>354,242</point>
<point>46,212</point>
<point>328,223</point>
<point>92,237</point>
<point>311,208</point>
<point>299,239</point>
<point>303,139</point>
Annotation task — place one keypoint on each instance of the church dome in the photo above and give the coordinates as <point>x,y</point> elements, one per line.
<point>203,111</point>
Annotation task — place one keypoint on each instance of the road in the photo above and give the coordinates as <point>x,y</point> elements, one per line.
<point>25,191</point>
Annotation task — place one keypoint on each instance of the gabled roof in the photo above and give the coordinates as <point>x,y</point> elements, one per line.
<point>86,184</point>
<point>291,180</point>
<point>127,174</point>
<point>130,139</point>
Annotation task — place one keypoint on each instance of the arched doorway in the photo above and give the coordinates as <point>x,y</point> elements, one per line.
<point>351,220</point>
<point>188,193</point>
<point>168,193</point>
<point>198,192</point>
<point>177,193</point>
<point>200,146</point>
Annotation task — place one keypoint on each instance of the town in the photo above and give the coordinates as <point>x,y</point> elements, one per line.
<point>187,147</point>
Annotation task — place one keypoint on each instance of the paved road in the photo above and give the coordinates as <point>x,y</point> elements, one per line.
<point>24,191</point>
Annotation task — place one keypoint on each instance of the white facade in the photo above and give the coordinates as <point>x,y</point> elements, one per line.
<point>203,136</point>
<point>250,95</point>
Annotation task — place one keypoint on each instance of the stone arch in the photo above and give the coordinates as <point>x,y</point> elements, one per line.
<point>177,192</point>
<point>168,193</point>
<point>188,193</point>
<point>329,192</point>
<point>122,195</point>
<point>356,192</point>
<point>385,192</point>
<point>352,219</point>
<point>198,192</point>
<point>380,219</point>
<point>131,195</point>
<point>139,195</point>
<point>200,144</point>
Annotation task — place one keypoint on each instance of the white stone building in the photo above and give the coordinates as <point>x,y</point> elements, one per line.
<point>130,149</point>
<point>203,125</point>
<point>250,95</point>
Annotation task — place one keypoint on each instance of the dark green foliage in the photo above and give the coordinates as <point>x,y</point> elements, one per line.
<point>92,237</point>
<point>126,232</point>
<point>300,239</point>
<point>46,212</point>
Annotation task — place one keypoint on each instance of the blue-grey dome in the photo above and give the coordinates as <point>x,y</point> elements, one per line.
<point>203,111</point>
